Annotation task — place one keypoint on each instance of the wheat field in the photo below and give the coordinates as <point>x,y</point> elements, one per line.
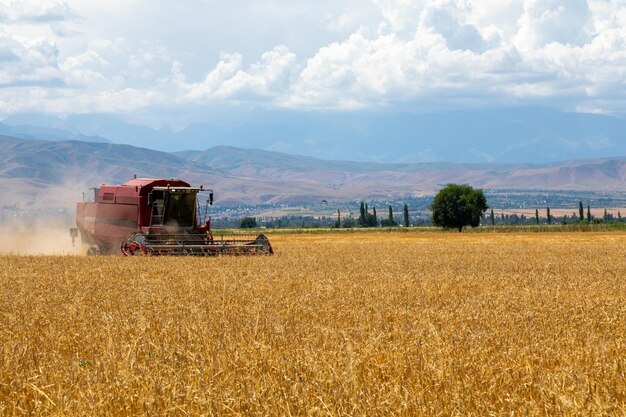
<point>360,324</point>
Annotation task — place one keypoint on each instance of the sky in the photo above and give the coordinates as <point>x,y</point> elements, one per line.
<point>170,63</point>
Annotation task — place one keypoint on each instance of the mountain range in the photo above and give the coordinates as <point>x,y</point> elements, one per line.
<point>503,135</point>
<point>55,173</point>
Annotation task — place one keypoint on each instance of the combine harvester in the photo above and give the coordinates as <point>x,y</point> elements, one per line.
<point>147,216</point>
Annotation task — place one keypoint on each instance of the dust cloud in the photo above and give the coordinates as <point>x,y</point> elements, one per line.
<point>35,219</point>
<point>37,239</point>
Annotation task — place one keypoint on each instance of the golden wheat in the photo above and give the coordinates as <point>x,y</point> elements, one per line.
<point>365,324</point>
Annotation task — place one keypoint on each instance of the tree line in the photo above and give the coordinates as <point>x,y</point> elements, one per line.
<point>369,218</point>
<point>454,207</point>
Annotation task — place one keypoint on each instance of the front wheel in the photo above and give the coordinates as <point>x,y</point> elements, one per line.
<point>135,245</point>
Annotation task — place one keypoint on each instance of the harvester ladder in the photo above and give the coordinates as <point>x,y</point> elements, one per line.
<point>157,213</point>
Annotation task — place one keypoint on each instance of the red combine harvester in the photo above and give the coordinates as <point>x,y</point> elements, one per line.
<point>147,216</point>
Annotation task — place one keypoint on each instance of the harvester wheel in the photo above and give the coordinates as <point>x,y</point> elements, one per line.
<point>134,245</point>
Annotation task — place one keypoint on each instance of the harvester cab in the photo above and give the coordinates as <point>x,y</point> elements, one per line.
<point>156,217</point>
<point>173,207</point>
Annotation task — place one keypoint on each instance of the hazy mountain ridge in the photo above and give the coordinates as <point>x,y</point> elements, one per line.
<point>257,176</point>
<point>31,168</point>
<point>54,162</point>
<point>504,135</point>
<point>47,133</point>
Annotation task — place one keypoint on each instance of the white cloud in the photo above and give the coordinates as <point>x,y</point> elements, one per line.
<point>121,56</point>
<point>268,76</point>
<point>401,14</point>
<point>27,63</point>
<point>442,51</point>
<point>548,21</point>
<point>36,11</point>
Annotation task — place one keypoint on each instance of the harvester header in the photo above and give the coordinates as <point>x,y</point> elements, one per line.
<point>147,216</point>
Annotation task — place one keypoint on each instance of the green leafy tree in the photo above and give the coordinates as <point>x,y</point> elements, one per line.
<point>588,214</point>
<point>406,215</point>
<point>493,218</point>
<point>548,215</point>
<point>375,218</point>
<point>247,223</point>
<point>338,222</point>
<point>581,211</point>
<point>537,216</point>
<point>457,206</point>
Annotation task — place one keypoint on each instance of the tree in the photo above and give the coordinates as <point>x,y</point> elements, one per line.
<point>338,222</point>
<point>457,206</point>
<point>581,211</point>
<point>405,211</point>
<point>392,222</point>
<point>247,223</point>
<point>389,221</point>
<point>588,214</point>
<point>537,216</point>
<point>493,218</point>
<point>548,215</point>
<point>348,223</point>
<point>367,219</point>
<point>362,216</point>
<point>606,216</point>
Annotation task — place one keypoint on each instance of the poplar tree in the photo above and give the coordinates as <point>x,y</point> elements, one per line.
<point>581,211</point>
<point>362,216</point>
<point>537,216</point>
<point>406,215</point>
<point>548,214</point>
<point>588,214</point>
<point>493,218</point>
<point>375,218</point>
<point>389,221</point>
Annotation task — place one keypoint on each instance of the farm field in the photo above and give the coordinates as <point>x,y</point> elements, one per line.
<point>333,324</point>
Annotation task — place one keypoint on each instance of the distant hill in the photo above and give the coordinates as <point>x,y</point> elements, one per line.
<point>56,162</point>
<point>53,173</point>
<point>502,135</point>
<point>506,135</point>
<point>45,172</point>
<point>46,133</point>
<point>607,174</point>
